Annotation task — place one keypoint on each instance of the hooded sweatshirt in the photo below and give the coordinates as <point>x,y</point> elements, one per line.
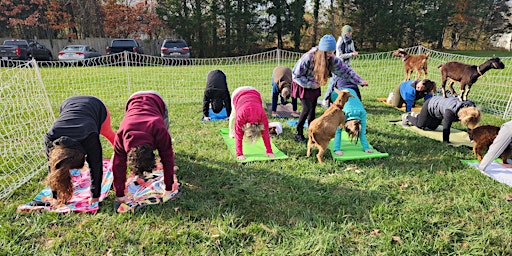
<point>143,123</point>
<point>216,93</point>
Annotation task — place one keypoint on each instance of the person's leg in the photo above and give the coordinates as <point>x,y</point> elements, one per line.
<point>397,100</point>
<point>312,110</point>
<point>275,95</point>
<point>306,106</point>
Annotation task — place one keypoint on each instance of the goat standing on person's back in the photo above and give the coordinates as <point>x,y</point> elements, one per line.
<point>465,74</point>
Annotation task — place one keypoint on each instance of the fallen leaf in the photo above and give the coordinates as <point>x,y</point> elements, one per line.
<point>509,198</point>
<point>404,185</point>
<point>375,232</point>
<point>441,172</point>
<point>268,229</point>
<point>396,240</point>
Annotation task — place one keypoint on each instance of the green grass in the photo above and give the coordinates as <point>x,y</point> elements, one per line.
<point>421,194</point>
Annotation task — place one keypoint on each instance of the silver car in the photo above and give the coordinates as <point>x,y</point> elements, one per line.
<point>175,48</point>
<point>77,53</point>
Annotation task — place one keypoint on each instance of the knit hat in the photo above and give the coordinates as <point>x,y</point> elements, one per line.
<point>327,43</point>
<point>346,29</point>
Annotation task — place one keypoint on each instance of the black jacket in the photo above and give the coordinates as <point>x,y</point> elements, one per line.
<point>216,93</point>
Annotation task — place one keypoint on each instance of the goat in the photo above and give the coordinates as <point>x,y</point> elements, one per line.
<point>465,74</point>
<point>323,129</point>
<point>412,63</point>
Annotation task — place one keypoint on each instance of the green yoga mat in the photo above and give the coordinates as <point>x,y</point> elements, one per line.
<point>353,151</point>
<point>252,151</point>
<point>457,137</point>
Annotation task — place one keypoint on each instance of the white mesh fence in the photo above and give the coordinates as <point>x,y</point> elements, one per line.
<point>31,93</point>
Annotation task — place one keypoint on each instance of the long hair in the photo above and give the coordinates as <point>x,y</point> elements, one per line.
<point>141,159</point>
<point>353,129</point>
<point>469,116</point>
<point>61,160</point>
<point>323,66</point>
<point>252,131</point>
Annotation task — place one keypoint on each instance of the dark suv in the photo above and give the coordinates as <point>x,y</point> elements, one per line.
<point>175,48</point>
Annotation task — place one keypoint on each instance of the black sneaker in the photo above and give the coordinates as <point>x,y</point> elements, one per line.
<point>299,138</point>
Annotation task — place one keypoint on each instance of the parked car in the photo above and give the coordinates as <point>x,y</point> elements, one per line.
<point>78,52</point>
<point>175,48</point>
<point>121,45</point>
<point>16,49</point>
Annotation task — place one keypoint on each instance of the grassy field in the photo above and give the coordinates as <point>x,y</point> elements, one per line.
<point>421,200</point>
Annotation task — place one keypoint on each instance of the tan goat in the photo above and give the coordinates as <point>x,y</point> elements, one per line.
<point>323,129</point>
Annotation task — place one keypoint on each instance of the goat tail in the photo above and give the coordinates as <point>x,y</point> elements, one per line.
<point>311,138</point>
<point>427,54</point>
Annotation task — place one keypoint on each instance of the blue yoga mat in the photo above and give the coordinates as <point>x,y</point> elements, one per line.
<point>221,116</point>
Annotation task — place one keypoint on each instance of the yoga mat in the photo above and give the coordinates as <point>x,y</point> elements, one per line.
<point>145,191</point>
<point>353,151</point>
<point>457,137</point>
<point>416,108</point>
<point>494,170</point>
<point>252,152</point>
<point>293,123</point>
<point>82,192</point>
<point>221,116</point>
<point>282,111</point>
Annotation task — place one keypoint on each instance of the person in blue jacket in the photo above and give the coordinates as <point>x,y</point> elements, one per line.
<point>410,91</point>
<point>355,125</point>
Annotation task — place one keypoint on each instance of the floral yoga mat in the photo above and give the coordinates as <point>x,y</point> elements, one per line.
<point>82,192</point>
<point>145,191</point>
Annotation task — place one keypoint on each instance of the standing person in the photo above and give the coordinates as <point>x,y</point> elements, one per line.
<point>500,143</point>
<point>355,123</point>
<point>313,70</point>
<point>73,139</point>
<point>281,88</point>
<point>216,94</point>
<point>451,109</point>
<point>145,128</point>
<point>345,50</point>
<point>249,118</point>
<point>410,91</point>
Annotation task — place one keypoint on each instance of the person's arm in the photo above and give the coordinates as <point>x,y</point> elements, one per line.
<point>409,100</point>
<point>449,117</point>
<point>337,139</point>
<point>165,151</point>
<point>206,104</point>
<point>330,88</point>
<point>119,166</point>
<point>500,143</point>
<point>227,103</point>
<point>92,146</point>
<point>346,73</point>
<point>265,134</point>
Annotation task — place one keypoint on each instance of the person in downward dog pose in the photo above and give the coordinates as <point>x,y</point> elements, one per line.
<point>216,94</point>
<point>73,139</point>
<point>145,128</point>
<point>281,88</point>
<point>248,120</point>
<point>355,123</point>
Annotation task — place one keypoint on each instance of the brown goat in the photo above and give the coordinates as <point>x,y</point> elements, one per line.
<point>323,129</point>
<point>482,138</point>
<point>465,74</point>
<point>412,63</point>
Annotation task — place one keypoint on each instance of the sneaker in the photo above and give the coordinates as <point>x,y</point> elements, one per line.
<point>404,119</point>
<point>299,138</point>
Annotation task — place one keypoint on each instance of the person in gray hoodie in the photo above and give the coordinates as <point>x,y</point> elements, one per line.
<point>438,108</point>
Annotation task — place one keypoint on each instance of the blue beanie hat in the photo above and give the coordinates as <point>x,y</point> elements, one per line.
<point>327,43</point>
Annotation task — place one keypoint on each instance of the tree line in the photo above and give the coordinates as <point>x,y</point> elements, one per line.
<point>235,27</point>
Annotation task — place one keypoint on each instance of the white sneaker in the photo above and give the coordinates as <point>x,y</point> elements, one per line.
<point>404,119</point>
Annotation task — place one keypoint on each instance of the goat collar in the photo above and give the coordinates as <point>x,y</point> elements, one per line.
<point>405,57</point>
<point>478,70</point>
<point>338,106</point>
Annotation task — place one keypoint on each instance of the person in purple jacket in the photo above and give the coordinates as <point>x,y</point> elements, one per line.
<point>73,139</point>
<point>313,71</point>
<point>145,128</point>
<point>410,91</point>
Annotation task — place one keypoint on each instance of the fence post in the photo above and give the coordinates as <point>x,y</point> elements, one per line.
<point>278,57</point>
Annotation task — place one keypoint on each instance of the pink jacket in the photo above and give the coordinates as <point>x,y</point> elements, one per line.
<point>249,109</point>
